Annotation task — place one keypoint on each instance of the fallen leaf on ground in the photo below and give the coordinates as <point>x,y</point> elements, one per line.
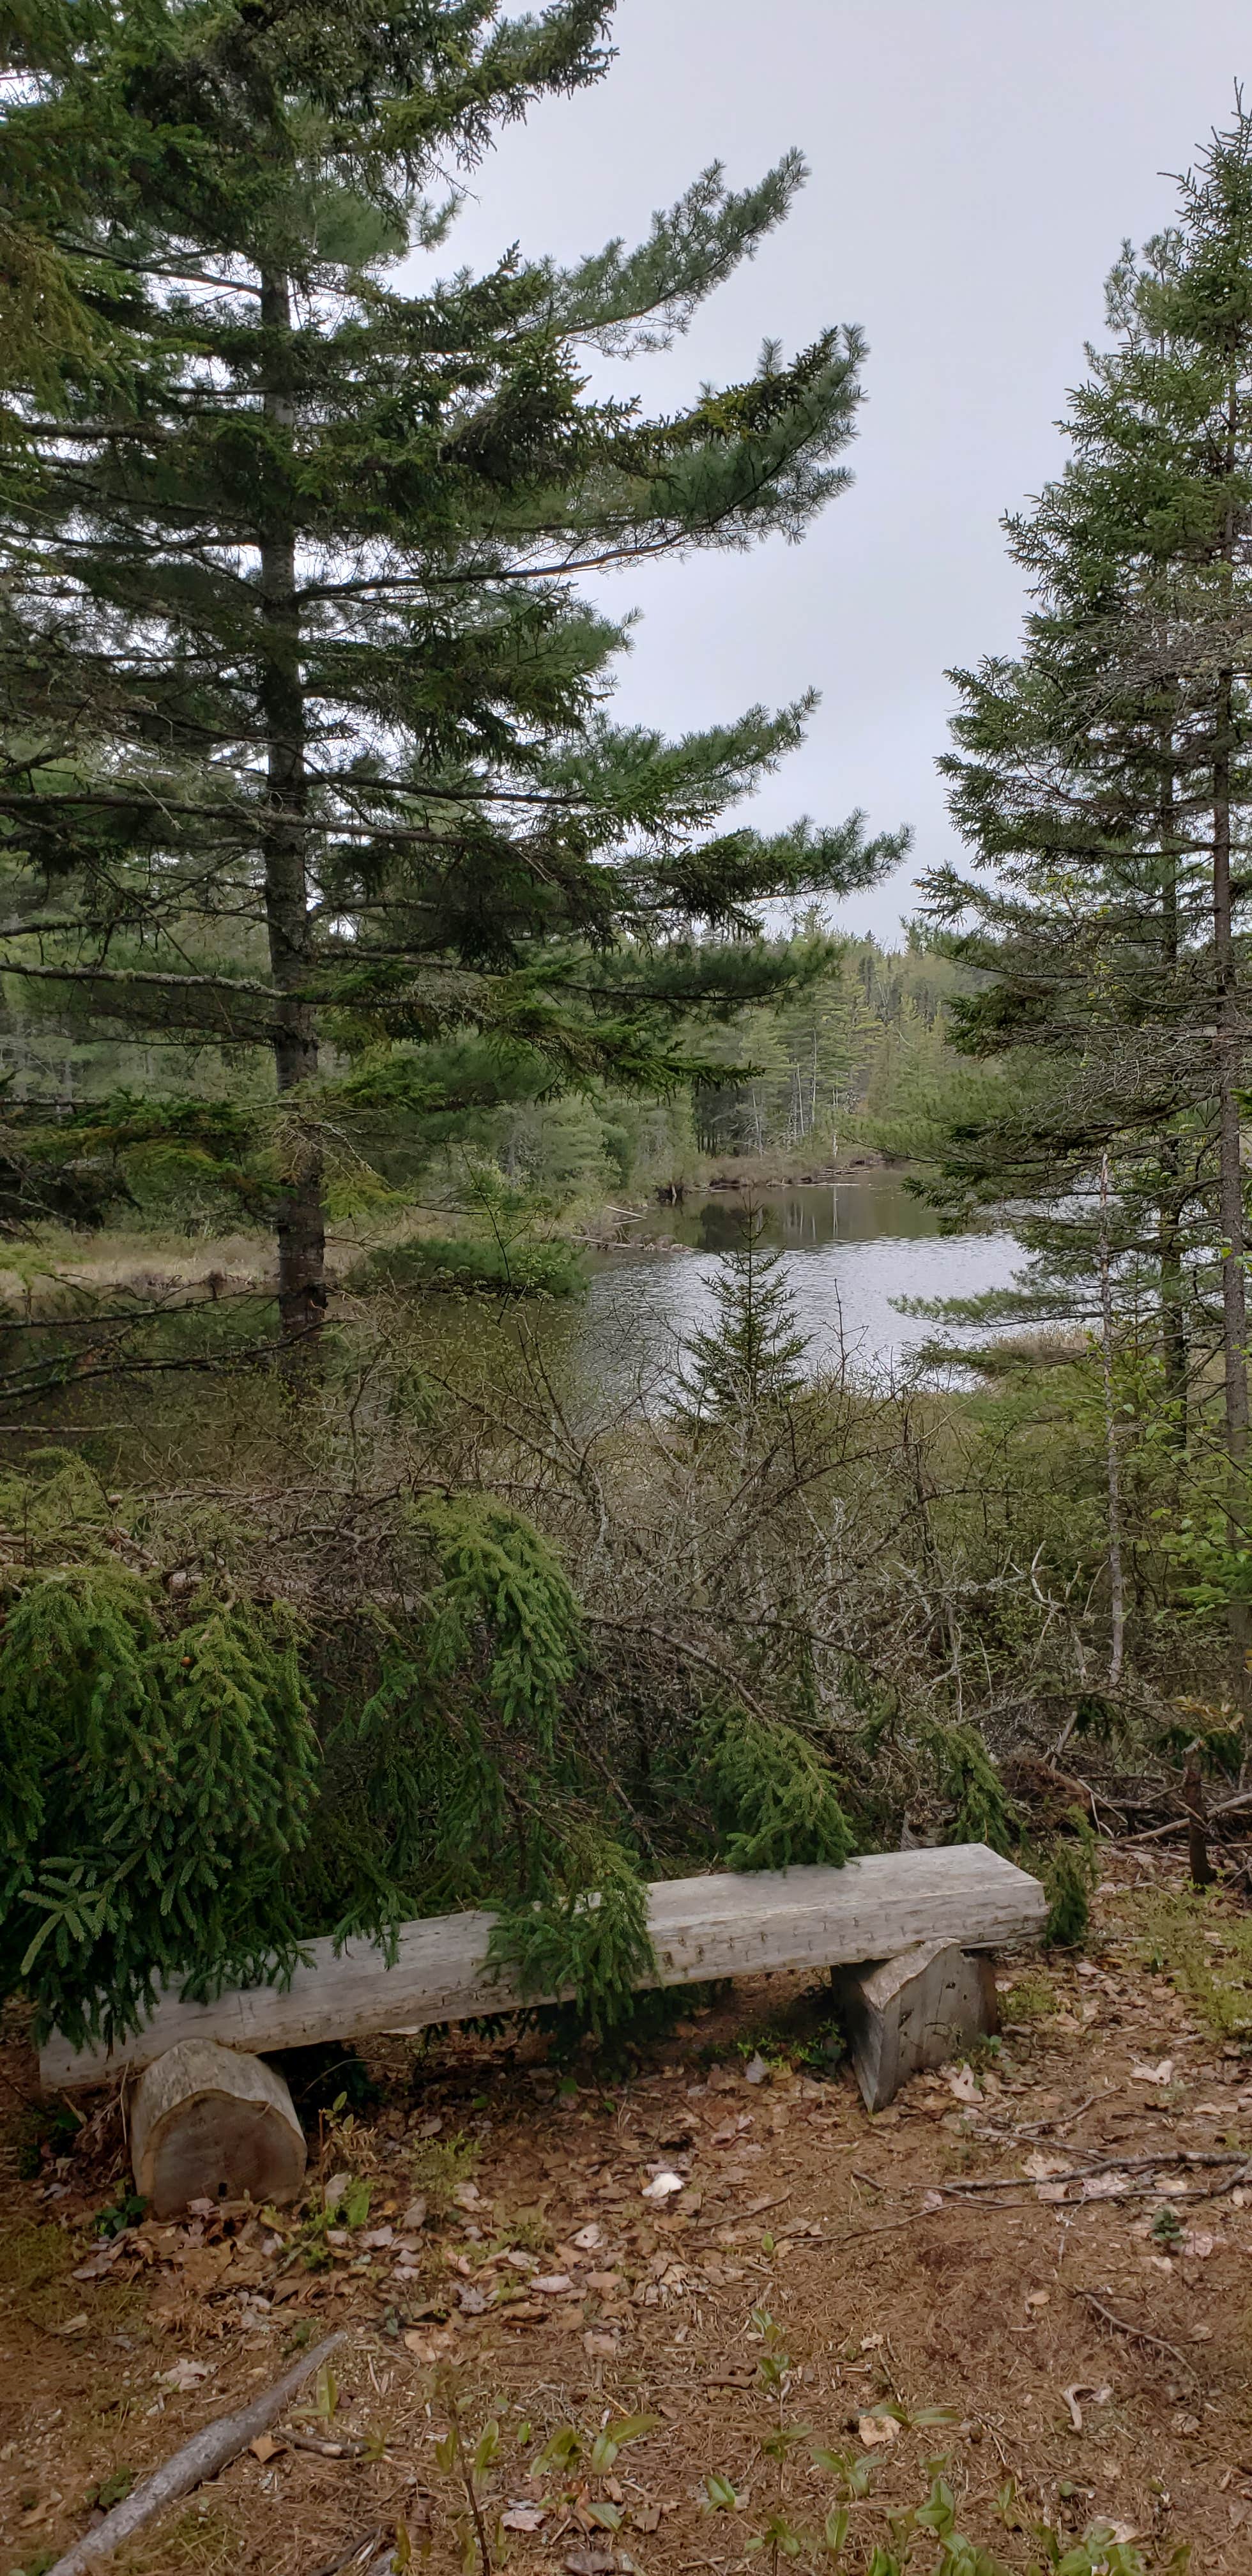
<point>185,2374</point>
<point>1038,2298</point>
<point>1040,2167</point>
<point>931,2201</point>
<point>473,2302</point>
<point>1108,2186</point>
<point>875,2429</point>
<point>524,2517</point>
<point>429,2347</point>
<point>588,2238</point>
<point>1153,2074</point>
<point>553,2284</point>
<point>1197,2241</point>
<point>601,2347</point>
<point>265,2447</point>
<point>414,2217</point>
<point>962,2083</point>
<point>756,2070</point>
<point>589,2562</point>
<point>663,2186</point>
<point>72,2325</point>
<point>467,2195</point>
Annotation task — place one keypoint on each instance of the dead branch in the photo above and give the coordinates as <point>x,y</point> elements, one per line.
<point>204,2456</point>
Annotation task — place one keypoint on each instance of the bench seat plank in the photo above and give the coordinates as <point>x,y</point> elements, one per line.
<point>718,1926</point>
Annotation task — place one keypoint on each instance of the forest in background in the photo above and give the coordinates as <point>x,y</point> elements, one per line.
<point>859,1057</point>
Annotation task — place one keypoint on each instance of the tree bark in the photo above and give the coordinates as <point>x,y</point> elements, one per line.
<point>1169,1204</point>
<point>1230,1177</point>
<point>1198,1862</point>
<point>1117,1587</point>
<point>301,1226</point>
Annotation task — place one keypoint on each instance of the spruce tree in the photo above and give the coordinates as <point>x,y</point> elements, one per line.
<point>1104,782</point>
<point>306,749</point>
<point>751,1356</point>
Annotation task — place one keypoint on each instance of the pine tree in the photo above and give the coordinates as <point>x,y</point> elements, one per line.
<point>306,742</point>
<point>752,1356</point>
<point>1105,782</point>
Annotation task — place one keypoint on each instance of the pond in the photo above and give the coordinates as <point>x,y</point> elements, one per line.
<point>850,1248</point>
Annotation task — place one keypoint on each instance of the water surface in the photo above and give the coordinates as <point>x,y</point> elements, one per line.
<point>849,1249</point>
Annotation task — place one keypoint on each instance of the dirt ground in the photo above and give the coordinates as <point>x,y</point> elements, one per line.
<point>1053,2246</point>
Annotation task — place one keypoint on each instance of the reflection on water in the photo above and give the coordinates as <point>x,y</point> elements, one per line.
<point>849,1248</point>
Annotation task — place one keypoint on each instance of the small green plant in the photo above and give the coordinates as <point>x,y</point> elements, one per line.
<point>1032,1998</point>
<point>467,2459</point>
<point>527,2233</point>
<point>1167,2226</point>
<point>110,2491</point>
<point>817,2051</point>
<point>438,2166</point>
<point>128,2210</point>
<point>1070,1881</point>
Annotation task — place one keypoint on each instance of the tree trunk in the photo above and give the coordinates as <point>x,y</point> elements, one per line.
<point>1198,1862</point>
<point>1230,1176</point>
<point>300,1216</point>
<point>1117,1587</point>
<point>1169,1205</point>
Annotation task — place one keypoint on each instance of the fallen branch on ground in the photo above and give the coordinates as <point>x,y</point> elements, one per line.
<point>1178,1824</point>
<point>1084,2173</point>
<point>204,2456</point>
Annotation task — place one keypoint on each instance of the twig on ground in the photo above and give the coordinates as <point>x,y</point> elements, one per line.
<point>1137,2334</point>
<point>355,2549</point>
<point>1084,2173</point>
<point>325,2450</point>
<point>204,2456</point>
<point>741,2217</point>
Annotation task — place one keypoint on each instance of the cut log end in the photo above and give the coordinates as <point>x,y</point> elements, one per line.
<point>212,2123</point>
<point>905,2014</point>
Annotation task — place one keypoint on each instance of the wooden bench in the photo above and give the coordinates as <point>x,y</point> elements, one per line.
<point>203,2122</point>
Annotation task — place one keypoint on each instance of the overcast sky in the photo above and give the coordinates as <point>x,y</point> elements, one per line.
<point>975,166</point>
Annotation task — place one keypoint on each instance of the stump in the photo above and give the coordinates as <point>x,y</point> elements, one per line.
<point>211,2123</point>
<point>913,2011</point>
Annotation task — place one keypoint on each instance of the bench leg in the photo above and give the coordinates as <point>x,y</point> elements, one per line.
<point>908,2013</point>
<point>210,2123</point>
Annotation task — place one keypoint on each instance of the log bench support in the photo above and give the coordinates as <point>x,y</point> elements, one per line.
<point>211,2123</point>
<point>905,2014</point>
<point>210,2118</point>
